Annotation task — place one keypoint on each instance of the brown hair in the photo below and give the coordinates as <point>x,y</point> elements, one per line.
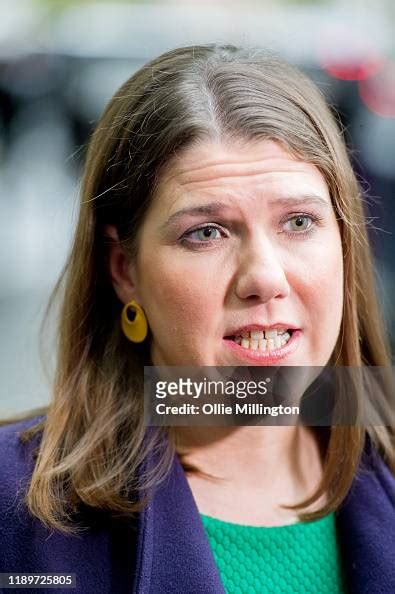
<point>94,442</point>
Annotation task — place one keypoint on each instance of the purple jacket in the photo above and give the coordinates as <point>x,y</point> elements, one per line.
<point>165,550</point>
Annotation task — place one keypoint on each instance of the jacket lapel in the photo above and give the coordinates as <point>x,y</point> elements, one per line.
<point>173,552</point>
<point>366,528</point>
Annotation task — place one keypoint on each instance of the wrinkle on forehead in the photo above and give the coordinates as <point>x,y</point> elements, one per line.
<point>228,175</point>
<point>226,168</point>
<point>211,168</point>
<point>211,161</point>
<point>272,183</point>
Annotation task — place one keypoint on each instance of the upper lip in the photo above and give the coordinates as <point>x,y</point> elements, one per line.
<point>237,331</point>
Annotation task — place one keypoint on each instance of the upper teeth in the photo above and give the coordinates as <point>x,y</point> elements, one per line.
<point>263,340</point>
<point>261,334</point>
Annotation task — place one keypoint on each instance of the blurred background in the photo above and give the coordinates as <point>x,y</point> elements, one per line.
<point>61,61</point>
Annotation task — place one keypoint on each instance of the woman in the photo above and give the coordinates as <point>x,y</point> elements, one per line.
<point>220,224</point>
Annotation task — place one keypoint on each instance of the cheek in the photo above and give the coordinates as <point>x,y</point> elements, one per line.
<point>178,298</point>
<point>324,296</point>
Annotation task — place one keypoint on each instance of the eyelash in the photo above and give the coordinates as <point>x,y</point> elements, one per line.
<point>315,219</point>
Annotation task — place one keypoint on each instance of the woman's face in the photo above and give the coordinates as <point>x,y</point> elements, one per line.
<point>240,260</point>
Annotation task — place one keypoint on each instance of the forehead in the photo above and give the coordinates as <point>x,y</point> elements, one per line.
<point>258,162</point>
<point>258,170</point>
<point>249,158</point>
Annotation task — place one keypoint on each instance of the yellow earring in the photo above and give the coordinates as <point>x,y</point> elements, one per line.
<point>134,323</point>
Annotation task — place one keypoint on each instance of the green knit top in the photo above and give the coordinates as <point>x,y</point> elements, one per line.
<point>298,558</point>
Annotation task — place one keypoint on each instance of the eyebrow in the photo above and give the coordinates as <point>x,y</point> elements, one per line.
<point>216,208</point>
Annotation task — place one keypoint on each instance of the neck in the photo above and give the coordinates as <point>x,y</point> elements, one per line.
<point>280,465</point>
<point>238,451</point>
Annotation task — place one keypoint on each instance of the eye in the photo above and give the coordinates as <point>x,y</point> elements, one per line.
<point>203,234</point>
<point>299,223</point>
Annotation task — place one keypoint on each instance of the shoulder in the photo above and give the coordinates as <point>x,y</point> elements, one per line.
<point>366,526</point>
<point>376,472</point>
<point>11,442</point>
<point>17,458</point>
<point>369,506</point>
<point>102,554</point>
<point>371,497</point>
<point>10,432</point>
<point>16,468</point>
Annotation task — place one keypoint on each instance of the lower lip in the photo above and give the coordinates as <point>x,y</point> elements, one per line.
<point>264,357</point>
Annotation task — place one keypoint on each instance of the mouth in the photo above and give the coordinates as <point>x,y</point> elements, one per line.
<point>263,340</point>
<point>264,344</point>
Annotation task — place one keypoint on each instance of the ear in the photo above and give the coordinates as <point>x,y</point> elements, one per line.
<point>119,267</point>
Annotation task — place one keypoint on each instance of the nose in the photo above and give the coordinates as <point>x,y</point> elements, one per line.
<point>261,275</point>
